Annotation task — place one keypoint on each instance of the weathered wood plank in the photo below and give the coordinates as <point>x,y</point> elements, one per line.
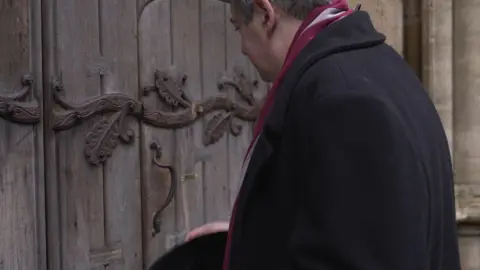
<point>81,188</point>
<point>217,205</point>
<point>51,184</point>
<point>437,58</point>
<point>22,208</point>
<point>37,71</point>
<point>186,57</point>
<point>122,193</point>
<point>155,52</point>
<point>387,16</point>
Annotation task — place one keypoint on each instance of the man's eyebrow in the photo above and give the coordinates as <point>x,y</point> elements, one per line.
<point>232,21</point>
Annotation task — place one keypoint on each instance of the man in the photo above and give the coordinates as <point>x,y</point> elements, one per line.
<point>349,168</point>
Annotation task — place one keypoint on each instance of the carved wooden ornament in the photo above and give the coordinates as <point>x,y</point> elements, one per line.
<point>107,133</point>
<point>11,109</point>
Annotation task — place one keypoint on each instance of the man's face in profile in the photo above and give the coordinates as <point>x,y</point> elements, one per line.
<point>255,38</point>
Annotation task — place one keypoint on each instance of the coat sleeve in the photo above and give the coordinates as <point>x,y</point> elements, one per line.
<point>363,201</point>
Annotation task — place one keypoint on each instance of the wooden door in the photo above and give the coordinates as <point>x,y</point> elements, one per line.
<point>22,200</point>
<point>94,205</point>
<point>198,47</point>
<point>143,95</point>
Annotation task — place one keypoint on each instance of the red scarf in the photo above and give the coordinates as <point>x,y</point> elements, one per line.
<point>317,20</point>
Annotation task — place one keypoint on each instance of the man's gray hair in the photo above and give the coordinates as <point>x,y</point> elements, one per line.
<point>296,8</point>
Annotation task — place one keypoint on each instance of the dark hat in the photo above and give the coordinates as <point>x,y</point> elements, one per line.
<point>203,253</point>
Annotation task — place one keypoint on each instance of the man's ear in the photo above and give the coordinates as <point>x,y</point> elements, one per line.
<point>267,11</point>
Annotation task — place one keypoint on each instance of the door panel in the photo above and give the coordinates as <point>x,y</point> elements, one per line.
<point>81,203</point>
<point>189,50</point>
<point>99,196</point>
<point>157,81</point>
<point>154,41</point>
<point>22,222</point>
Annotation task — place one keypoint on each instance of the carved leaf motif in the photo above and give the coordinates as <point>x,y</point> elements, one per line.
<point>216,127</point>
<point>170,89</point>
<point>100,142</point>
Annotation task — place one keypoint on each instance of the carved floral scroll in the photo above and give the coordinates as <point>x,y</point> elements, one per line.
<point>14,110</point>
<point>108,132</point>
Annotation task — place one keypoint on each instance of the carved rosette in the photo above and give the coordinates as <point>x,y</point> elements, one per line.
<point>12,109</point>
<point>169,87</point>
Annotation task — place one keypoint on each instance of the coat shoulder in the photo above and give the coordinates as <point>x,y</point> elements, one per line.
<point>329,77</point>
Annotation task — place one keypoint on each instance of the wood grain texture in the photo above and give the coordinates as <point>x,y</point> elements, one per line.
<point>155,52</point>
<point>22,209</point>
<point>186,57</point>
<point>53,233</point>
<point>81,186</point>
<point>37,71</point>
<point>122,192</point>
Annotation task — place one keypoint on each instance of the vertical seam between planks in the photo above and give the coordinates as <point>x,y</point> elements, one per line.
<point>102,90</point>
<point>200,43</point>
<point>175,154</point>
<point>141,142</point>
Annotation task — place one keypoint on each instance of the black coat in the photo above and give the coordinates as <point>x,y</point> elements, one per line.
<point>352,170</point>
<point>202,253</point>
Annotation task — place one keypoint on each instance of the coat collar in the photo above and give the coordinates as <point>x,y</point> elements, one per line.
<point>352,32</point>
